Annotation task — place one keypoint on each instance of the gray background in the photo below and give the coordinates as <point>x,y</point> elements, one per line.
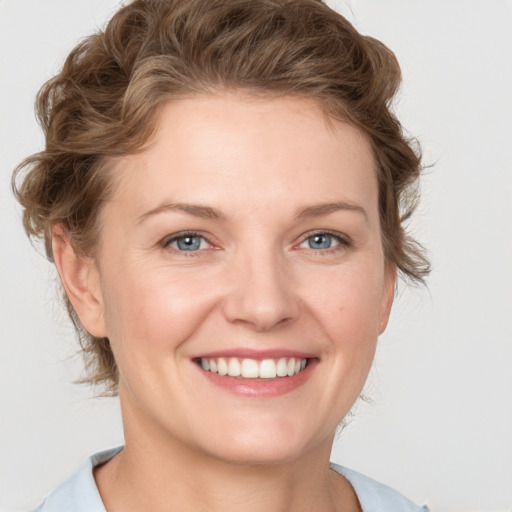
<point>440,428</point>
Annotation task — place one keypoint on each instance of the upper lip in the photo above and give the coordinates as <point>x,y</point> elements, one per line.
<point>249,353</point>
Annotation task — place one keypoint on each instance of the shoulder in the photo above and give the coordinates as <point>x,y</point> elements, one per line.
<point>79,493</point>
<point>375,496</point>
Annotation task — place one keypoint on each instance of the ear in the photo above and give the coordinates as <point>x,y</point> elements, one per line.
<point>387,296</point>
<point>80,279</point>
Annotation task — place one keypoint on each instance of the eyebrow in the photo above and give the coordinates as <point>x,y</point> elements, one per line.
<point>207,212</point>
<point>197,210</point>
<point>319,210</point>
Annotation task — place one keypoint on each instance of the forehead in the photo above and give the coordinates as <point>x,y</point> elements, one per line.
<point>206,148</point>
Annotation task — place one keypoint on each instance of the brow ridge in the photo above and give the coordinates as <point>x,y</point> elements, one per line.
<point>321,209</point>
<point>197,210</point>
<point>208,212</point>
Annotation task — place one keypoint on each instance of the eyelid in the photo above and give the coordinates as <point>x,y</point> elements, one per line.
<point>344,240</point>
<point>166,241</point>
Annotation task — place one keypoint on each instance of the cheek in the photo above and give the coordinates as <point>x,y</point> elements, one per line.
<point>154,308</point>
<point>346,304</point>
<point>348,296</point>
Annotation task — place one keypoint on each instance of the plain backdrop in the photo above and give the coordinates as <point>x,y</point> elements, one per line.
<point>440,426</point>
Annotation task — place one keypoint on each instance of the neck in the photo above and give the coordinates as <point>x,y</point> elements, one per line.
<point>160,472</point>
<point>163,477</point>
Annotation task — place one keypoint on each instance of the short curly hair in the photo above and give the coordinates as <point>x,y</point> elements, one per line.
<point>104,101</point>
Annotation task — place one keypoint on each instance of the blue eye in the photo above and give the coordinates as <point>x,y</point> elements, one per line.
<point>320,241</point>
<point>323,241</point>
<point>188,242</point>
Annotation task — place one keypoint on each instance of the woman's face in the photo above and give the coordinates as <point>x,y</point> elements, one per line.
<point>245,239</point>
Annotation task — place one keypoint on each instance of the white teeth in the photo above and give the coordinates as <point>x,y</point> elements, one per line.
<point>282,367</point>
<point>268,369</point>
<point>250,369</point>
<point>234,367</point>
<point>291,367</point>
<point>253,368</point>
<point>222,366</point>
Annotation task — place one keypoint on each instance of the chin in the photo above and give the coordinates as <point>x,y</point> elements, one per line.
<point>272,444</point>
<point>260,455</point>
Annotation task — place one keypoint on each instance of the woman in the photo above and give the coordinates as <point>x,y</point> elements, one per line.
<point>223,191</point>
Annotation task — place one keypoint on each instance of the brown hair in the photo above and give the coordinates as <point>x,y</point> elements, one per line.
<point>103,104</point>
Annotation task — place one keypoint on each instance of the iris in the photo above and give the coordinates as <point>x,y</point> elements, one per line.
<point>320,241</point>
<point>188,243</point>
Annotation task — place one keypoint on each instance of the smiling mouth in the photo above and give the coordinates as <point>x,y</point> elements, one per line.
<point>253,368</point>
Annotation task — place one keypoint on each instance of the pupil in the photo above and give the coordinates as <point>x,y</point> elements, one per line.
<point>189,243</point>
<point>320,242</point>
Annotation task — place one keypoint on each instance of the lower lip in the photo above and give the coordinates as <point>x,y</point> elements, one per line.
<point>260,388</point>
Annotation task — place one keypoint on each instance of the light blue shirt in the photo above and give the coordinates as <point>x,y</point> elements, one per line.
<point>80,494</point>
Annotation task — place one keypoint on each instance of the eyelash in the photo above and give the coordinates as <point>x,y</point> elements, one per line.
<point>166,242</point>
<point>342,242</point>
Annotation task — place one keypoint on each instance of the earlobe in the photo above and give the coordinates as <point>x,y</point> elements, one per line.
<point>387,297</point>
<point>80,279</point>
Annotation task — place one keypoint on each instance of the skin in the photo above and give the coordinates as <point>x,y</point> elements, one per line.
<point>255,283</point>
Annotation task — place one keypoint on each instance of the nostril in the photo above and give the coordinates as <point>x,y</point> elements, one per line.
<point>259,293</point>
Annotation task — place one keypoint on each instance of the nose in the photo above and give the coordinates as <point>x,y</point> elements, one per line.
<point>262,296</point>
